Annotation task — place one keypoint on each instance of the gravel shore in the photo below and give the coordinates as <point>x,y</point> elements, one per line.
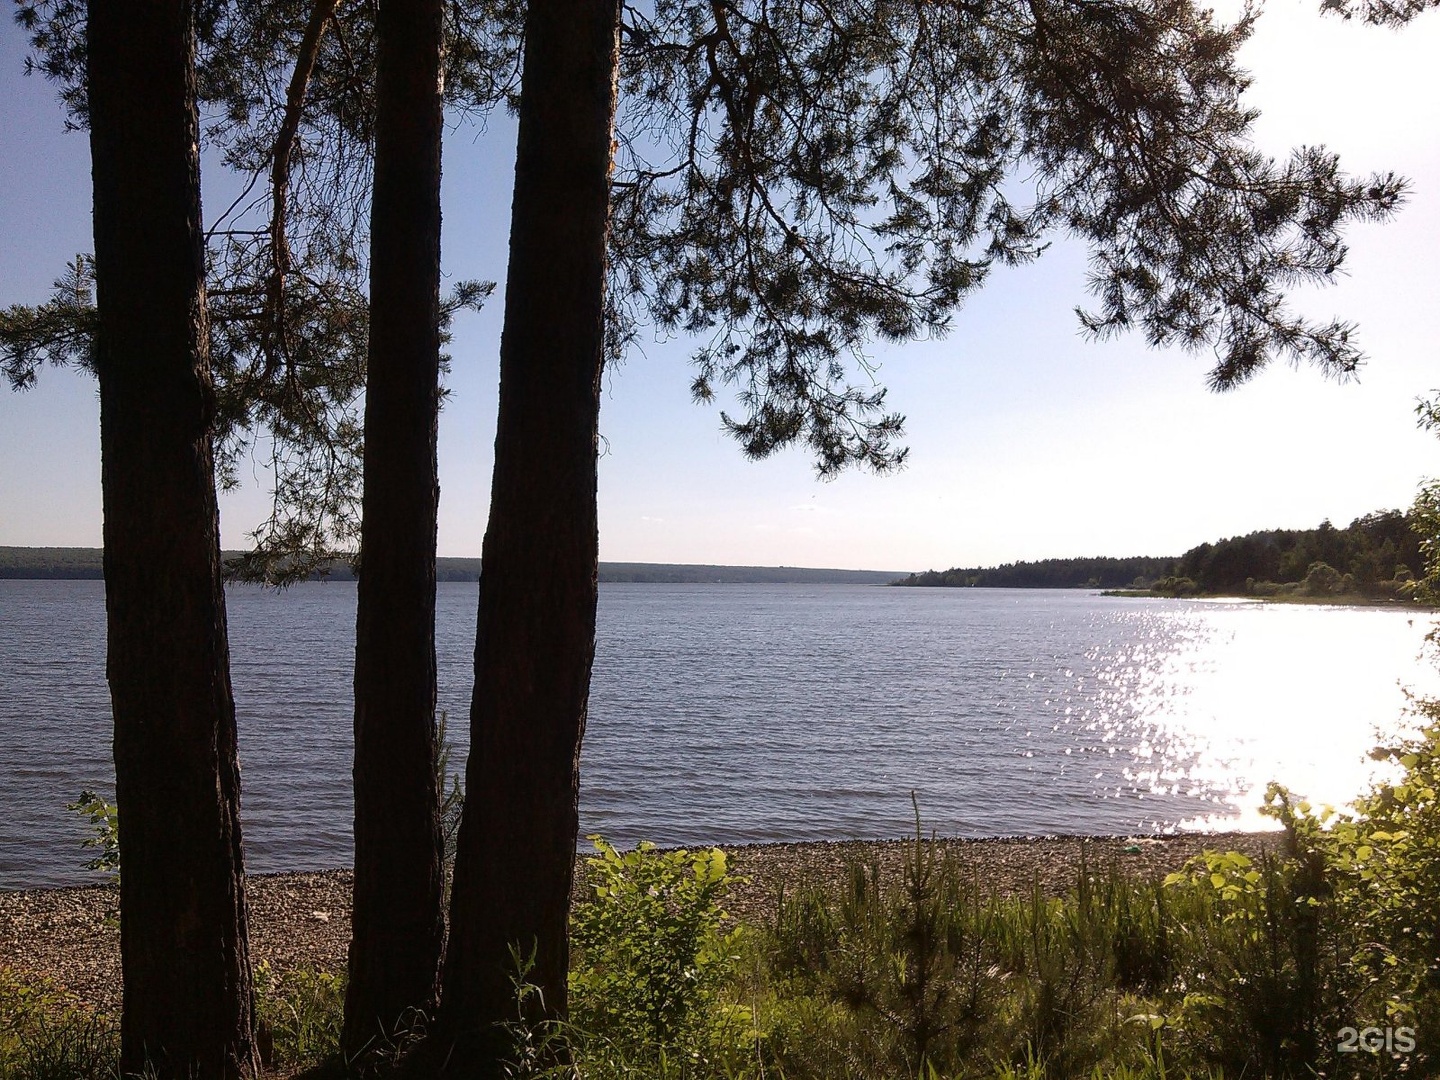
<point>72,936</point>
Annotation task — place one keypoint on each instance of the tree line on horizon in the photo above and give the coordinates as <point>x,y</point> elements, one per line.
<point>1081,573</point>
<point>1375,555</point>
<point>80,564</point>
<point>1372,556</point>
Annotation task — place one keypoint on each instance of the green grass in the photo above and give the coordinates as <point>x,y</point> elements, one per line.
<point>46,1034</point>
<point>300,1016</point>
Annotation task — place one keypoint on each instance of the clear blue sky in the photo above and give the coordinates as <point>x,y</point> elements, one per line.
<point>1026,441</point>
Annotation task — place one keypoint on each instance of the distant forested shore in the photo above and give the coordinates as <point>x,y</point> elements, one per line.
<point>1096,573</point>
<point>1375,557</point>
<point>65,563</point>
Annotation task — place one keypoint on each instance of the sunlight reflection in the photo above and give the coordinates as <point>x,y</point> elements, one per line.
<point>1250,693</point>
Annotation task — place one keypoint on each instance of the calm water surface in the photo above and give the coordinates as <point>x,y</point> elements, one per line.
<point>734,713</point>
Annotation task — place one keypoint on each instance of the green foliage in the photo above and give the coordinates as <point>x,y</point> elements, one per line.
<point>1265,980</point>
<point>934,975</point>
<point>1378,870</point>
<point>103,819</point>
<point>1172,585</point>
<point>1426,513</point>
<point>1379,12</point>
<point>300,1015</point>
<point>47,1035</point>
<point>654,953</point>
<point>1370,557</point>
<point>1342,931</point>
<point>60,331</point>
<point>1098,573</point>
<point>1233,966</point>
<point>1322,579</point>
<point>1394,850</point>
<point>1425,516</point>
<point>797,179</point>
<point>1373,552</point>
<point>794,181</point>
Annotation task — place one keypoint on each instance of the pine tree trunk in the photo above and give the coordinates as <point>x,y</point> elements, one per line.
<point>398,927</point>
<point>536,635</point>
<point>188,1005</point>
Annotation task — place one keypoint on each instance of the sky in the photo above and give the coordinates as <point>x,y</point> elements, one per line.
<point>1026,440</point>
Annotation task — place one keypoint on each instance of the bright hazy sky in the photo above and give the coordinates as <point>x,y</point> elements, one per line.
<point>1026,440</point>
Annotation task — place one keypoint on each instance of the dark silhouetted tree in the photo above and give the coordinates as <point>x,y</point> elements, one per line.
<point>536,634</point>
<point>398,921</point>
<point>188,1008</point>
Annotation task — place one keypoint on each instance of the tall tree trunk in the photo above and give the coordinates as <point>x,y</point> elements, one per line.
<point>536,635</point>
<point>188,1007</point>
<point>399,880</point>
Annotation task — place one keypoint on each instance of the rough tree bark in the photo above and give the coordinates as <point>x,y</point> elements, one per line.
<point>536,634</point>
<point>399,881</point>
<point>188,1004</point>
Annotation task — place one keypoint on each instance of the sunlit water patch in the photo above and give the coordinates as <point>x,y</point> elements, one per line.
<point>735,713</point>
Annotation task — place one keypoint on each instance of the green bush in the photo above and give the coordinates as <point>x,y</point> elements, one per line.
<point>1322,579</point>
<point>1175,586</point>
<point>103,819</point>
<point>652,957</point>
<point>1264,982</point>
<point>1376,875</point>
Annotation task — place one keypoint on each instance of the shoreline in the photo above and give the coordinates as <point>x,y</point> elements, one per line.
<point>1345,600</point>
<point>70,934</point>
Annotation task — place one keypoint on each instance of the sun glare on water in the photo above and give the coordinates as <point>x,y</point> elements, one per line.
<point>1253,693</point>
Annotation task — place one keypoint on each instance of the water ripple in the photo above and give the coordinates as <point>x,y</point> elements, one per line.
<point>735,713</point>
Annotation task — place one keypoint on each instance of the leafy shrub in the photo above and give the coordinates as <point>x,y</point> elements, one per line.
<point>103,819</point>
<point>1262,588</point>
<point>1175,586</point>
<point>1322,579</point>
<point>1377,878</point>
<point>653,955</point>
<point>1264,982</point>
<point>1342,931</point>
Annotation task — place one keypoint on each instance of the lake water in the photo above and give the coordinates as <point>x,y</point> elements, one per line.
<point>740,713</point>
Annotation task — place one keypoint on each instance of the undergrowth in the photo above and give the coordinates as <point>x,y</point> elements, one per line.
<point>46,1034</point>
